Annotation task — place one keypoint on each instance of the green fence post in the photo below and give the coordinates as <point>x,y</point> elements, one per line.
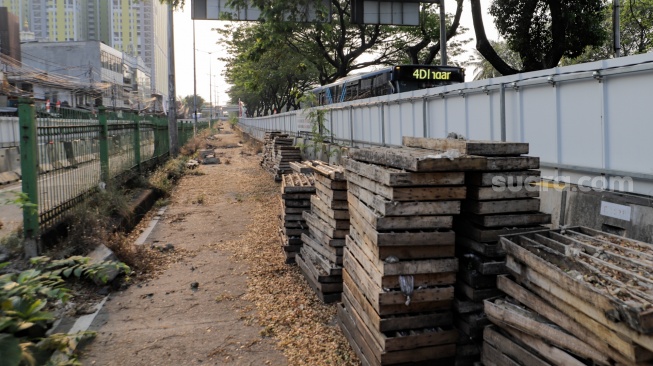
<point>104,145</point>
<point>29,166</point>
<point>137,142</point>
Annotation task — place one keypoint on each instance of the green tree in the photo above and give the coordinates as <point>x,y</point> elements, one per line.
<point>541,31</point>
<point>636,32</point>
<point>483,69</point>
<point>191,104</point>
<point>423,42</point>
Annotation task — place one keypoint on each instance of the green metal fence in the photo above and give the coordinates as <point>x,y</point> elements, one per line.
<point>63,159</point>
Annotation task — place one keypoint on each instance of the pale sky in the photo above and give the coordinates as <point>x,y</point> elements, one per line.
<point>206,41</point>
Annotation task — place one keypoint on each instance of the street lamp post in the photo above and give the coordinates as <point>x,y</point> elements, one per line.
<point>194,84</point>
<point>210,88</point>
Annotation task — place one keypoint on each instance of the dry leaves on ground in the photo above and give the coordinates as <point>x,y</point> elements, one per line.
<point>288,309</point>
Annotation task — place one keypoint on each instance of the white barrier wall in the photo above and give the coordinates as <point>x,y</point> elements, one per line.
<point>589,123</point>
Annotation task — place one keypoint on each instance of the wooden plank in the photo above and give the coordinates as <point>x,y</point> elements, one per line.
<point>387,207</point>
<point>476,294</point>
<point>334,214</point>
<point>330,183</point>
<point>512,178</point>
<point>469,147</point>
<point>331,268</point>
<point>314,268</point>
<point>501,206</point>
<point>332,171</point>
<point>508,347</point>
<point>493,357</point>
<point>353,297</point>
<point>387,223</point>
<point>484,235</point>
<point>354,338</point>
<point>297,196</point>
<point>318,224</point>
<point>476,280</point>
<point>501,193</point>
<point>485,266</point>
<point>637,316</point>
<point>539,274</point>
<point>333,204</point>
<point>397,178</point>
<point>322,238</point>
<point>463,305</point>
<point>432,193</point>
<point>508,220</point>
<point>502,312</point>
<point>321,288</point>
<point>407,267</point>
<point>334,223</point>
<point>403,252</point>
<point>390,301</point>
<point>330,193</point>
<point>322,250</point>
<point>416,160</point>
<point>581,326</point>
<point>401,237</point>
<point>490,250</point>
<point>512,163</point>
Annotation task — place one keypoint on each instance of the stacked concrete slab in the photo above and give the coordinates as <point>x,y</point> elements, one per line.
<point>320,258</point>
<point>501,199</point>
<point>296,192</point>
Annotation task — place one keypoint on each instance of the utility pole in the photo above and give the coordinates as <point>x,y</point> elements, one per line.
<point>172,101</point>
<point>210,93</point>
<point>194,84</point>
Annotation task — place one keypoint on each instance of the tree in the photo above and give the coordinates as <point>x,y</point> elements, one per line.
<point>483,69</point>
<point>636,32</point>
<point>192,105</point>
<point>424,44</point>
<point>541,31</point>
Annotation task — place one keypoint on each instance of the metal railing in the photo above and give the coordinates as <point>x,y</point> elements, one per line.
<point>64,159</point>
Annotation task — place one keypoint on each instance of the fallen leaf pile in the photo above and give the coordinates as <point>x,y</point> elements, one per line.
<point>288,310</point>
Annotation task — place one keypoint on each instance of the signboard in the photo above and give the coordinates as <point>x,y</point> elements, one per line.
<point>303,124</point>
<point>306,11</point>
<point>616,211</point>
<point>444,74</point>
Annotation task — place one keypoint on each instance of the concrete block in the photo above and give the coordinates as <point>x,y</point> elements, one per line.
<point>13,158</point>
<point>9,177</point>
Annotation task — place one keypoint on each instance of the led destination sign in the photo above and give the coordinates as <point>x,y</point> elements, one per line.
<point>442,74</point>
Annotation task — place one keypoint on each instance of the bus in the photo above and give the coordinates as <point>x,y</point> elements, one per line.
<point>388,80</point>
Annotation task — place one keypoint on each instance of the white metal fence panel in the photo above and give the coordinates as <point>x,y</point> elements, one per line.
<point>580,120</point>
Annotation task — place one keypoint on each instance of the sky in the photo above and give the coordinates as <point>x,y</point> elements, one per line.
<point>209,70</point>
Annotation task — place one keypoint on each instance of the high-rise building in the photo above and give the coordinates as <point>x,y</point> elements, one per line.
<point>135,27</point>
<point>9,34</point>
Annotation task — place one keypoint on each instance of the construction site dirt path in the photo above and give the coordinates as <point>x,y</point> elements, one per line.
<point>229,299</point>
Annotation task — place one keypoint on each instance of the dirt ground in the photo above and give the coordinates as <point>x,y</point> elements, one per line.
<point>228,299</point>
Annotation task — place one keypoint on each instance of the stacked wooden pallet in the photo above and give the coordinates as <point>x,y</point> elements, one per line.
<point>278,153</point>
<point>577,296</point>
<point>399,263</point>
<point>296,192</point>
<point>320,258</point>
<point>500,200</point>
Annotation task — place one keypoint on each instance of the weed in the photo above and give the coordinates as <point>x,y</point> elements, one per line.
<point>25,313</point>
<point>161,202</point>
<point>199,200</point>
<point>226,161</point>
<point>239,197</point>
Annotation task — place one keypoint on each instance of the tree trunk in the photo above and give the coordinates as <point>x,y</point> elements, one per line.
<point>483,45</point>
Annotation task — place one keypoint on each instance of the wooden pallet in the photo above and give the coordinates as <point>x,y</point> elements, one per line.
<point>330,171</point>
<point>424,193</point>
<point>392,177</point>
<point>380,349</point>
<point>501,206</point>
<point>297,183</point>
<point>469,147</point>
<point>386,207</point>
